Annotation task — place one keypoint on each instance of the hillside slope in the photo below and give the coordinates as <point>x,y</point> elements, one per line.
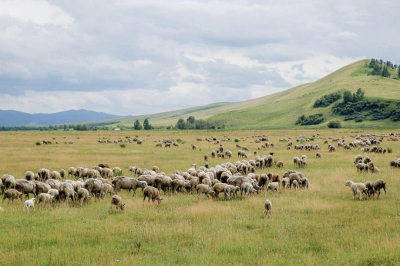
<point>281,110</point>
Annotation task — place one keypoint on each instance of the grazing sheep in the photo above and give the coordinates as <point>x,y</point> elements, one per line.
<point>204,189</point>
<point>55,193</point>
<point>83,196</point>
<point>152,193</point>
<point>46,198</point>
<point>62,173</point>
<point>304,182</point>
<point>30,203</point>
<point>71,171</point>
<point>107,189</point>
<point>318,155</point>
<point>378,185</point>
<point>285,182</point>
<point>12,194</point>
<point>268,207</point>
<point>295,184</point>
<point>273,186</point>
<point>357,188</point>
<point>247,189</point>
<point>230,191</point>
<point>370,189</point>
<point>279,165</point>
<point>117,201</point>
<point>29,175</point>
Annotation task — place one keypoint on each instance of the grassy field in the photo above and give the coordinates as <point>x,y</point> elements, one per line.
<point>320,226</point>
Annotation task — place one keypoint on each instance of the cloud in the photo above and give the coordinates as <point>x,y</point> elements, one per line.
<point>137,57</point>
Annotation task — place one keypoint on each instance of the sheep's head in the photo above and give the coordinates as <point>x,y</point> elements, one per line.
<point>349,183</point>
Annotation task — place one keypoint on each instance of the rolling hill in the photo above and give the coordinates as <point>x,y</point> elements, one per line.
<point>281,110</point>
<point>16,118</point>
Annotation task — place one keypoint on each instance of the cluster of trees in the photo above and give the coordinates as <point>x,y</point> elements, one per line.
<point>310,120</point>
<point>381,68</point>
<point>192,123</point>
<point>146,125</point>
<point>356,107</point>
<point>327,100</point>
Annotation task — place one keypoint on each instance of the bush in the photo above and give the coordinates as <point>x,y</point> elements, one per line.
<point>118,173</point>
<point>334,124</point>
<point>237,140</point>
<point>310,120</point>
<point>327,100</point>
<point>389,150</point>
<point>122,145</point>
<point>38,143</point>
<point>179,140</point>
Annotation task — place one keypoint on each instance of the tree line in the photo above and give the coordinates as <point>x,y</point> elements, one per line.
<point>381,68</point>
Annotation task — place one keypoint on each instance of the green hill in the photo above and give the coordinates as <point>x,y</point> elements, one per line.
<point>281,110</point>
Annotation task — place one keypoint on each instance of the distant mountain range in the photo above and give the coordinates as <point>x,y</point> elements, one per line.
<point>16,118</point>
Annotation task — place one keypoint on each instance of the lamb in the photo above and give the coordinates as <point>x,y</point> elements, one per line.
<point>152,193</point>
<point>12,194</point>
<point>279,165</point>
<point>107,189</point>
<point>117,201</point>
<point>268,207</point>
<point>204,189</point>
<point>274,177</point>
<point>46,198</point>
<point>205,157</point>
<point>304,182</point>
<point>318,155</point>
<point>357,188</point>
<point>30,203</point>
<point>230,190</point>
<point>83,196</point>
<point>378,185</point>
<point>273,186</point>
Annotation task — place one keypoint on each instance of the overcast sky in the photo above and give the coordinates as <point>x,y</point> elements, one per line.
<point>140,57</point>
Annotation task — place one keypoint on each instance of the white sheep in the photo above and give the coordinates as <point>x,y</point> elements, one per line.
<point>357,188</point>
<point>272,186</point>
<point>295,184</point>
<point>268,207</point>
<point>30,203</point>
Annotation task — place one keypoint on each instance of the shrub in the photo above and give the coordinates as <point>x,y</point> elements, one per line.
<point>327,100</point>
<point>389,150</point>
<point>179,140</point>
<point>122,145</point>
<point>237,140</point>
<point>310,120</point>
<point>38,143</point>
<point>118,173</point>
<point>334,124</point>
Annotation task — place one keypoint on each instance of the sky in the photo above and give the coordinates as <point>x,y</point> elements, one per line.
<point>141,57</point>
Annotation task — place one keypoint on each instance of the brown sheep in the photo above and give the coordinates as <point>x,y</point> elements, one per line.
<point>152,193</point>
<point>274,177</point>
<point>12,194</point>
<point>117,201</point>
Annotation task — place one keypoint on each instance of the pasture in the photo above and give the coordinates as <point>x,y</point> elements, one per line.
<point>320,226</point>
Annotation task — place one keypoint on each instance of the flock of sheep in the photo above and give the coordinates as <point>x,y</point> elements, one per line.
<point>49,187</point>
